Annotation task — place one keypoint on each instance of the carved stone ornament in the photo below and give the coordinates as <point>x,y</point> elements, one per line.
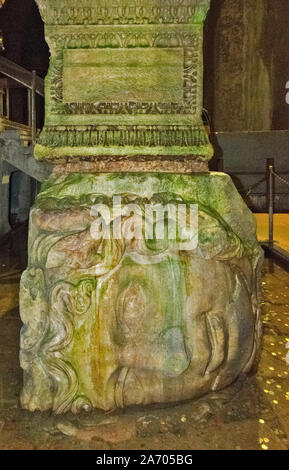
<point>116,322</point>
<point>125,78</point>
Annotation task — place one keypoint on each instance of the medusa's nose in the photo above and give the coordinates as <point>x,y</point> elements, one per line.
<point>216,334</point>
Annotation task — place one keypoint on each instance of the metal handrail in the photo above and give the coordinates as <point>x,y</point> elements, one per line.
<point>21,75</point>
<point>30,80</point>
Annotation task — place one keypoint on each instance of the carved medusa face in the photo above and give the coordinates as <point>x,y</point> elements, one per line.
<point>160,324</point>
<point>169,333</point>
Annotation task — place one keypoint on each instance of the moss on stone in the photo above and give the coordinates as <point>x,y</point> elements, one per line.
<point>42,152</point>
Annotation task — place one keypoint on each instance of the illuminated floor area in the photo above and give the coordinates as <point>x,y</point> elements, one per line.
<point>255,416</point>
<point>281,229</point>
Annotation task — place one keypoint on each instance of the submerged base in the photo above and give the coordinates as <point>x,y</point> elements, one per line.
<point>114,322</point>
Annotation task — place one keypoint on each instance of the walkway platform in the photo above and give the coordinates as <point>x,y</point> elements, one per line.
<point>280,249</point>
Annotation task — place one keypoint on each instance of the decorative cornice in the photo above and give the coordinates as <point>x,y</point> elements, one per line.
<point>77,12</point>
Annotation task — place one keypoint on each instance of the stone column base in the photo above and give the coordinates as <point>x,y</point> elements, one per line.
<point>115,322</point>
<point>137,164</point>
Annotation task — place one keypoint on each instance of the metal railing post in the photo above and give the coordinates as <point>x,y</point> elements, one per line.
<point>270,196</point>
<point>2,93</point>
<point>33,106</point>
<point>7,103</point>
<point>29,101</point>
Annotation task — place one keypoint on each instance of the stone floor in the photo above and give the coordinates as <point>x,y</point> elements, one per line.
<point>254,415</point>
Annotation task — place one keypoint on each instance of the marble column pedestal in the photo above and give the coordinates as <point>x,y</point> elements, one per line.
<point>110,323</point>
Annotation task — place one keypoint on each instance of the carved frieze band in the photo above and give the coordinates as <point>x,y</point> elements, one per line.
<point>150,136</point>
<point>132,12</point>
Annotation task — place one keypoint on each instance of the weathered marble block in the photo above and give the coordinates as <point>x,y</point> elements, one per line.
<point>117,321</point>
<point>110,323</point>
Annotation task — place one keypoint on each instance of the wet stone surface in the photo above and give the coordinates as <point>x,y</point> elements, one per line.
<point>252,414</point>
